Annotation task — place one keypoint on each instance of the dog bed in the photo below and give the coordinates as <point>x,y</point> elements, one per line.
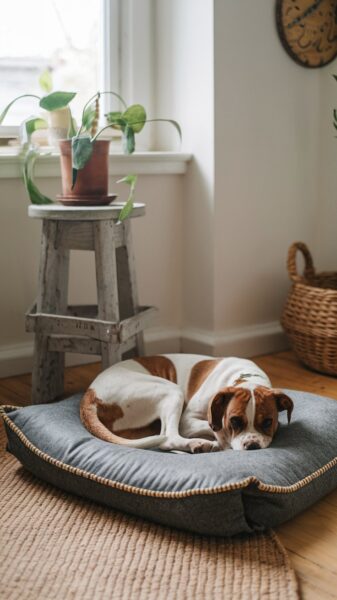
<point>222,493</point>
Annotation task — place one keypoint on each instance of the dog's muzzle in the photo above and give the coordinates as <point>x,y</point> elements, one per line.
<point>250,441</point>
<point>253,446</point>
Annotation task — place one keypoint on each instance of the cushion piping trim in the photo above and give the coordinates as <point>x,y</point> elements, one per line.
<point>124,487</point>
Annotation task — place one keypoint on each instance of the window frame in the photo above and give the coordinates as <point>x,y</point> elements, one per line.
<point>127,57</point>
<point>109,52</point>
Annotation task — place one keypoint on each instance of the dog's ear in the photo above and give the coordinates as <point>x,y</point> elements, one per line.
<point>283,402</point>
<point>217,407</point>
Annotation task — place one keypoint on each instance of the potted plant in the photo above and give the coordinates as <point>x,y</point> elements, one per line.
<point>84,157</point>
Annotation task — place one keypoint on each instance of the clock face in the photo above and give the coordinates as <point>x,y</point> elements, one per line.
<point>308,30</point>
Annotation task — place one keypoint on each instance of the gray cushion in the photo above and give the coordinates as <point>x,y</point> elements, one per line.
<point>221,493</point>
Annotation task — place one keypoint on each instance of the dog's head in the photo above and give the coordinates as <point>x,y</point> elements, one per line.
<point>247,419</point>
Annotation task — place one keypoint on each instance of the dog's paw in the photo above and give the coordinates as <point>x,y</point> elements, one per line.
<point>200,446</point>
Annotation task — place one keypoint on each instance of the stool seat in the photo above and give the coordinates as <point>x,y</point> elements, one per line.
<point>109,329</point>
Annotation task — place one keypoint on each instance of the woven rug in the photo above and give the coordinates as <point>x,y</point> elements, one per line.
<point>55,546</point>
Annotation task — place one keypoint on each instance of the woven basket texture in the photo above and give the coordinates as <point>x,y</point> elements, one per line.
<point>310,313</point>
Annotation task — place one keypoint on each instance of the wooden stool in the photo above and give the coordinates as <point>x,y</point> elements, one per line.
<point>114,326</point>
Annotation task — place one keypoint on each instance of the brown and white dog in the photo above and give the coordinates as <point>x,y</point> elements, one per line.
<point>203,403</point>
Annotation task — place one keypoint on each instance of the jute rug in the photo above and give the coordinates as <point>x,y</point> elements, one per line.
<point>54,546</point>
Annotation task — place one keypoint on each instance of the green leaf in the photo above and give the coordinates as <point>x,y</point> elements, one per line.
<point>81,151</point>
<point>36,197</point>
<point>335,77</point>
<point>56,100</point>
<point>115,120</point>
<point>34,124</point>
<point>128,140</point>
<point>45,81</point>
<point>127,209</point>
<point>5,111</point>
<point>113,116</point>
<point>121,126</point>
<point>129,179</point>
<point>135,116</point>
<point>28,127</point>
<point>89,115</point>
<point>72,126</point>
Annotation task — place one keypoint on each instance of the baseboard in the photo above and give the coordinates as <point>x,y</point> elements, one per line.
<point>162,340</point>
<point>248,341</point>
<point>16,359</point>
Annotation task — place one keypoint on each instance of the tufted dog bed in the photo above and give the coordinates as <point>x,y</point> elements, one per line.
<point>221,493</point>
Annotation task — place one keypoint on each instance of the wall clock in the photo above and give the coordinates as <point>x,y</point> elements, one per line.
<point>308,30</point>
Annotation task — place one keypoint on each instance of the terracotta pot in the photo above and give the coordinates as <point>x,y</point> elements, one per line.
<point>92,180</point>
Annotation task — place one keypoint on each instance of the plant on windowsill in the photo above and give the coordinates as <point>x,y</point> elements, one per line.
<point>84,158</point>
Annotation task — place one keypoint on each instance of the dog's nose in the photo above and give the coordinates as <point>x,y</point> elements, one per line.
<point>253,446</point>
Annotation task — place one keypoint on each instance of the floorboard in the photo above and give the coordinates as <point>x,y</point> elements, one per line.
<point>310,538</point>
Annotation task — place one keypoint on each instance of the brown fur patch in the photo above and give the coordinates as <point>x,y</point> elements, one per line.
<point>269,402</point>
<point>265,408</point>
<point>199,373</point>
<point>140,432</point>
<point>90,405</point>
<point>238,405</point>
<point>239,381</point>
<point>108,414</point>
<point>231,401</point>
<point>160,366</point>
<point>88,408</point>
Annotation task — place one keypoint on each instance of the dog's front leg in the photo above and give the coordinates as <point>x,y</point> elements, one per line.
<point>192,426</point>
<point>170,414</point>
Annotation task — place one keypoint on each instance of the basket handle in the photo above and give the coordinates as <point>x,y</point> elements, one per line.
<point>309,270</point>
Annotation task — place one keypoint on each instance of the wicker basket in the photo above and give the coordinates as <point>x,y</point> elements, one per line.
<point>310,313</point>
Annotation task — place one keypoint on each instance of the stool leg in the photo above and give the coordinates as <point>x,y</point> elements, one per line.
<point>48,368</point>
<point>131,291</point>
<point>107,287</point>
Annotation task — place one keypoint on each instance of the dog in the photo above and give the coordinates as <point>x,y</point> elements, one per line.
<point>204,404</point>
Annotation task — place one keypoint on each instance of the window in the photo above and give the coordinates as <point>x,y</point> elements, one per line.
<point>65,37</point>
<point>86,44</point>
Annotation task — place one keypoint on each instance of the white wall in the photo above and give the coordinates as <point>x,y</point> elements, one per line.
<point>267,161</point>
<point>252,118</point>
<point>325,248</point>
<point>184,88</point>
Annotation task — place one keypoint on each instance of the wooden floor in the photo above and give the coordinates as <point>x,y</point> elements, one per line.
<point>311,538</point>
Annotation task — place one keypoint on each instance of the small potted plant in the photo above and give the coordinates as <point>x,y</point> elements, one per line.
<point>84,157</point>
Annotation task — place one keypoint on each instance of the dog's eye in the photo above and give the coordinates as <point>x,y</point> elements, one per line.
<point>236,423</point>
<point>266,423</point>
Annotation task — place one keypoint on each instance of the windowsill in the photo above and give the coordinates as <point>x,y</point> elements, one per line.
<point>140,163</point>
